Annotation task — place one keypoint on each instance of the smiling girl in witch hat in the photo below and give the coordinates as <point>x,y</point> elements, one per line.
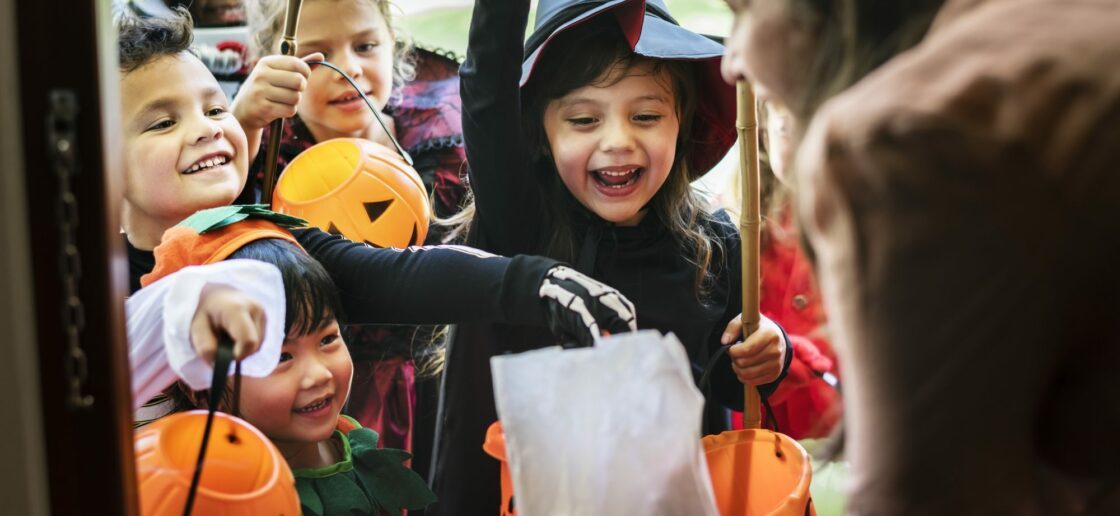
<point>582,145</point>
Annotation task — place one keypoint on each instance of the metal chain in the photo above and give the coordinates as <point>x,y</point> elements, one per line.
<point>61,141</point>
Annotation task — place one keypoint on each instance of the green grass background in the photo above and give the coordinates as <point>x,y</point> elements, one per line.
<point>446,28</point>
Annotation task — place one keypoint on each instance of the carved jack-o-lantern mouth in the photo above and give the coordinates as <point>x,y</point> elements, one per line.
<point>357,189</point>
<point>375,210</point>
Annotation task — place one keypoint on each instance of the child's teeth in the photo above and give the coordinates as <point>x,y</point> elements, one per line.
<point>212,162</point>
<point>313,407</point>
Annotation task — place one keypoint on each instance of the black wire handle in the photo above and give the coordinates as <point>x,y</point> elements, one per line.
<point>222,359</point>
<point>400,150</point>
<point>705,385</point>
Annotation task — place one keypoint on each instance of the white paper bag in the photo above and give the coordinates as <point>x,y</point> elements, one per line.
<point>613,429</point>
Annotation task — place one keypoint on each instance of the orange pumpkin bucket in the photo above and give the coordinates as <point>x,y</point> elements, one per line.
<point>495,446</point>
<point>358,189</point>
<point>244,474</point>
<point>758,472</point>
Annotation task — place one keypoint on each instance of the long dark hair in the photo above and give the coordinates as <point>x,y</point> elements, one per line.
<point>311,303</point>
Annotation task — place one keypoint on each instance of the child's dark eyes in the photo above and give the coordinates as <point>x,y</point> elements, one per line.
<point>581,121</point>
<point>284,357</point>
<point>647,118</point>
<point>161,125</point>
<point>216,111</point>
<point>367,47</point>
<point>329,339</point>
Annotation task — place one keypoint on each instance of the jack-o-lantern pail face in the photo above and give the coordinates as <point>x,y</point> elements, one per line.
<point>243,474</point>
<point>358,189</point>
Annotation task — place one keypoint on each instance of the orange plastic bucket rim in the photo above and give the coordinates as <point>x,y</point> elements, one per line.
<point>332,184</point>
<point>757,471</point>
<point>495,446</point>
<point>354,145</point>
<point>495,443</point>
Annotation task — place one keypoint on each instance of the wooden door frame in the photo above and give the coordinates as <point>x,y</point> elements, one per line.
<point>22,450</point>
<point>72,46</point>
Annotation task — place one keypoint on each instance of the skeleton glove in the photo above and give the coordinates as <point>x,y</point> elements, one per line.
<point>579,309</point>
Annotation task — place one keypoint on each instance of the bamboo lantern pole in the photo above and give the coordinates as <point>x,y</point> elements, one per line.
<point>272,151</point>
<point>746,122</point>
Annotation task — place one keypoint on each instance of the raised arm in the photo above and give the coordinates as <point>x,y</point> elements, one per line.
<point>505,193</point>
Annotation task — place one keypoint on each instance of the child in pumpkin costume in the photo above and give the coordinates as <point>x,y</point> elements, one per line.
<point>337,465</point>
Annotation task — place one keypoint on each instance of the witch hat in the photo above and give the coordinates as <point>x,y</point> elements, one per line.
<point>652,32</point>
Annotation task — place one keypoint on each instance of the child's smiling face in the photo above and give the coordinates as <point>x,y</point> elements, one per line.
<point>299,403</point>
<point>614,141</point>
<point>183,150</point>
<point>353,35</point>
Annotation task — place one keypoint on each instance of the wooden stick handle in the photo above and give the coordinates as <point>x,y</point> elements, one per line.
<point>746,122</point>
<point>276,128</point>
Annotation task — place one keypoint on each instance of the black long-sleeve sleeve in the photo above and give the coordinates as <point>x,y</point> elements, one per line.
<point>506,200</point>
<point>429,285</point>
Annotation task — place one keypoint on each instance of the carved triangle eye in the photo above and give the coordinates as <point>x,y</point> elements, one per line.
<point>332,229</point>
<point>376,209</point>
<point>414,239</point>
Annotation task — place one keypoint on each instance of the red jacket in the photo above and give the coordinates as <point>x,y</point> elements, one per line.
<point>804,404</point>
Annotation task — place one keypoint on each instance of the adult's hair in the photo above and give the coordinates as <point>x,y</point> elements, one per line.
<point>853,38</point>
<point>141,40</point>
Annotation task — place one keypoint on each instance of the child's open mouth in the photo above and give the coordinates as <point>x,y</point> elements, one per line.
<point>315,408</point>
<point>207,163</point>
<point>617,181</point>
